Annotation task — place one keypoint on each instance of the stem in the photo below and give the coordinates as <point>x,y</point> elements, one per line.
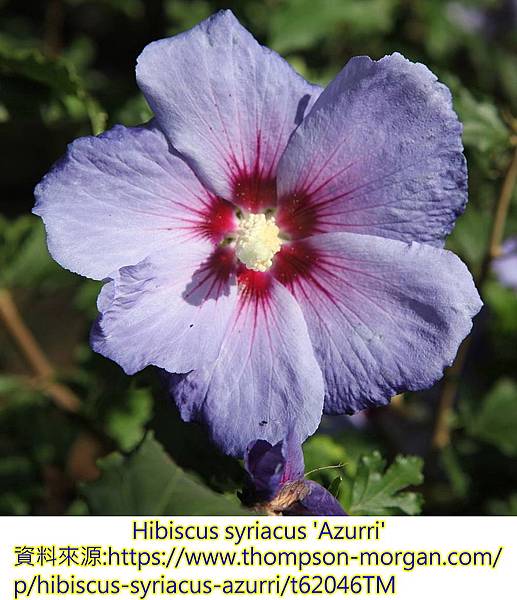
<point>442,434</point>
<point>338,466</point>
<point>43,369</point>
<point>502,209</point>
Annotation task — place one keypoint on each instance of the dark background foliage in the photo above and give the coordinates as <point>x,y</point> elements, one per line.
<point>67,69</point>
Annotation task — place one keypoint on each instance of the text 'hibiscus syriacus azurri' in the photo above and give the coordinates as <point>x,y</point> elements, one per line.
<point>274,246</point>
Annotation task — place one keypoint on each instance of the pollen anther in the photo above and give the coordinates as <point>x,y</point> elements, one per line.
<point>257,241</point>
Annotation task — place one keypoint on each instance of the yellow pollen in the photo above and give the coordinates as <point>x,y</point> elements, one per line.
<point>257,241</point>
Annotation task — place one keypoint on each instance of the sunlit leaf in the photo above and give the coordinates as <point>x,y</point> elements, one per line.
<point>57,74</point>
<point>126,424</point>
<point>483,127</point>
<point>147,482</point>
<point>496,420</point>
<point>24,253</point>
<point>376,491</point>
<point>299,24</point>
<point>335,485</point>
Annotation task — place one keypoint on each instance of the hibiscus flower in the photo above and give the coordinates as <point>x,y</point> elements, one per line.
<point>276,483</point>
<point>505,265</point>
<point>275,247</point>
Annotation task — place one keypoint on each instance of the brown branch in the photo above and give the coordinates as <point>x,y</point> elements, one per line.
<point>502,209</point>
<point>441,435</point>
<point>26,342</point>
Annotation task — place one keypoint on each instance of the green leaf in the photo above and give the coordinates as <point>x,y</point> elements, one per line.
<point>24,253</point>
<point>86,297</point>
<point>133,9</point>
<point>506,507</point>
<point>188,445</point>
<point>134,111</point>
<point>328,458</point>
<point>320,452</point>
<point>126,424</point>
<point>335,485</point>
<point>470,236</point>
<point>78,508</point>
<point>299,24</point>
<point>503,306</point>
<point>456,473</point>
<point>13,504</point>
<point>483,128</point>
<point>184,15</point>
<point>378,492</point>
<point>4,113</point>
<point>148,482</point>
<point>496,420</point>
<point>56,74</point>
<point>18,393</point>
<point>440,36</point>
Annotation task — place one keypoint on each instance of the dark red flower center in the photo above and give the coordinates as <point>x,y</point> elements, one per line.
<point>234,225</point>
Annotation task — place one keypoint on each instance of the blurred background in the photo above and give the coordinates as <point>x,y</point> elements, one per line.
<point>77,436</point>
